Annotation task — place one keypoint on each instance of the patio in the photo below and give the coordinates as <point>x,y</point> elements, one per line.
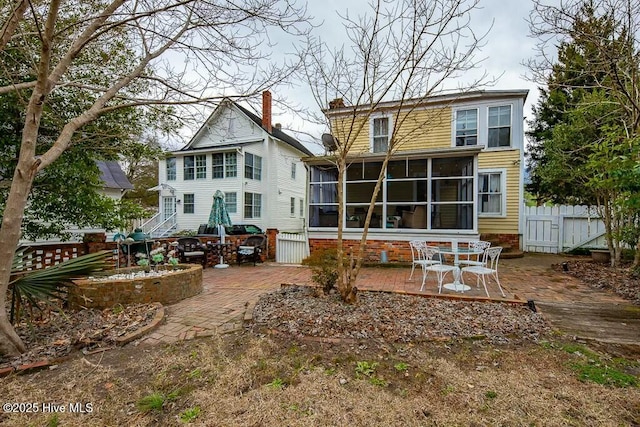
<point>228,292</point>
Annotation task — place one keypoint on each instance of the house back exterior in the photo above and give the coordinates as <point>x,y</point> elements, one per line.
<point>457,172</point>
<point>254,163</point>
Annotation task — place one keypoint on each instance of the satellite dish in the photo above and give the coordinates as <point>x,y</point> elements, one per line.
<point>329,142</point>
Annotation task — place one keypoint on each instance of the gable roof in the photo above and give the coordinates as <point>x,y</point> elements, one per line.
<point>275,132</point>
<point>112,175</point>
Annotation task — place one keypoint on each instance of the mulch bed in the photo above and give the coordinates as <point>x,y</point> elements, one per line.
<point>59,333</point>
<point>298,311</point>
<point>622,279</point>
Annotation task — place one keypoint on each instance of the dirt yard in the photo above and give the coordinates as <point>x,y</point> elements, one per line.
<point>331,365</point>
<point>256,378</point>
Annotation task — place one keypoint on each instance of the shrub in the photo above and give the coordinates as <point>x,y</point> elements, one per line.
<point>323,265</point>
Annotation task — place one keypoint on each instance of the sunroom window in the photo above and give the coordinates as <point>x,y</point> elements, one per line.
<point>423,194</point>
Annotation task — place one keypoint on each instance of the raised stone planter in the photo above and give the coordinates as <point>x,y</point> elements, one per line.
<point>184,282</point>
<point>600,255</point>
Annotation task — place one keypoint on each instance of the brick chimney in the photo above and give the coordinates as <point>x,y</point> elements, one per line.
<point>336,103</point>
<point>266,110</point>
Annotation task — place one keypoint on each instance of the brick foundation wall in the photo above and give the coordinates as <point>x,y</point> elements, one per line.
<point>512,240</point>
<point>397,251</point>
<point>167,289</point>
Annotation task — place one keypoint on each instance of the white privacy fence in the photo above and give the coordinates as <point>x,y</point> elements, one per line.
<point>291,248</point>
<point>562,228</point>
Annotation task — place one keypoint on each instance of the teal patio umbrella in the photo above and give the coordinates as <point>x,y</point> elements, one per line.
<point>219,217</point>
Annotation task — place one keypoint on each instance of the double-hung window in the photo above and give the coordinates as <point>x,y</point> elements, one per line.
<point>499,126</point>
<point>381,130</point>
<point>225,165</point>
<point>231,202</point>
<point>171,169</point>
<point>293,206</point>
<point>252,166</point>
<point>491,193</point>
<point>466,127</point>
<point>201,166</point>
<point>189,203</point>
<point>252,205</point>
<point>189,167</point>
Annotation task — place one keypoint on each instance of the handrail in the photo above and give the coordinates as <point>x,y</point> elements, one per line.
<point>149,225</point>
<point>171,221</point>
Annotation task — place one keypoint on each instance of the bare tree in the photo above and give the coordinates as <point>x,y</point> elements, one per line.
<point>187,52</point>
<point>403,51</point>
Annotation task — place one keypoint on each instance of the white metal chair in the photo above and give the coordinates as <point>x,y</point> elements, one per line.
<point>418,255</point>
<point>488,268</point>
<point>433,254</point>
<point>478,246</point>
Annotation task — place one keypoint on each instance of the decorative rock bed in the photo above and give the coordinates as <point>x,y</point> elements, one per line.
<point>168,288</point>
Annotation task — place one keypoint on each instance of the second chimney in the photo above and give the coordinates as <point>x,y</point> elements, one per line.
<point>266,110</point>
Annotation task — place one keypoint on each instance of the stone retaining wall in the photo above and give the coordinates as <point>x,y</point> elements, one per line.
<point>167,289</point>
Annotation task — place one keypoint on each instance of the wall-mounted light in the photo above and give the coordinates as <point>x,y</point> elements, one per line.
<point>178,201</point>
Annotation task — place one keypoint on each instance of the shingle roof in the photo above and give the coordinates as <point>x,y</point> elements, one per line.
<point>112,175</point>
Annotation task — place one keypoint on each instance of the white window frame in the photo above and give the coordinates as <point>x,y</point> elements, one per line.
<point>232,206</point>
<point>256,208</point>
<point>191,203</point>
<point>200,164</point>
<point>301,208</point>
<point>389,119</point>
<point>229,165</point>
<point>172,172</point>
<point>293,207</point>
<point>253,170</point>
<point>503,193</point>
<point>479,140</point>
<point>293,171</point>
<point>511,109</point>
<point>191,169</point>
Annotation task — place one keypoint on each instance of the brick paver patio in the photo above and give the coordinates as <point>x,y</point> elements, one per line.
<point>227,292</point>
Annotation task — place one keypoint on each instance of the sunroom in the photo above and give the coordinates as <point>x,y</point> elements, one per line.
<point>423,193</point>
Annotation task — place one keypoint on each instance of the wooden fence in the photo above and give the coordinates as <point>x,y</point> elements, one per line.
<point>291,248</point>
<point>555,229</point>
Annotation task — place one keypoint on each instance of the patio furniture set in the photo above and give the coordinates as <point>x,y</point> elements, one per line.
<point>476,257</point>
<point>190,248</point>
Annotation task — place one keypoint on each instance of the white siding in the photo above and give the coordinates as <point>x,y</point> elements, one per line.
<point>227,126</point>
<point>281,218</point>
<point>275,186</point>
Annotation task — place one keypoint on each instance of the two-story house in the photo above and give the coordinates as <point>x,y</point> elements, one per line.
<point>252,161</point>
<point>456,172</point>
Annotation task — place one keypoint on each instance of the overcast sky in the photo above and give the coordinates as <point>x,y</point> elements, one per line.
<point>508,45</point>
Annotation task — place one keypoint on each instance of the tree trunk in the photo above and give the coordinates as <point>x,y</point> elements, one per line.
<point>10,343</point>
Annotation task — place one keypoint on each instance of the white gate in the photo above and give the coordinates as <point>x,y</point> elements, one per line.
<point>291,248</point>
<point>562,228</point>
